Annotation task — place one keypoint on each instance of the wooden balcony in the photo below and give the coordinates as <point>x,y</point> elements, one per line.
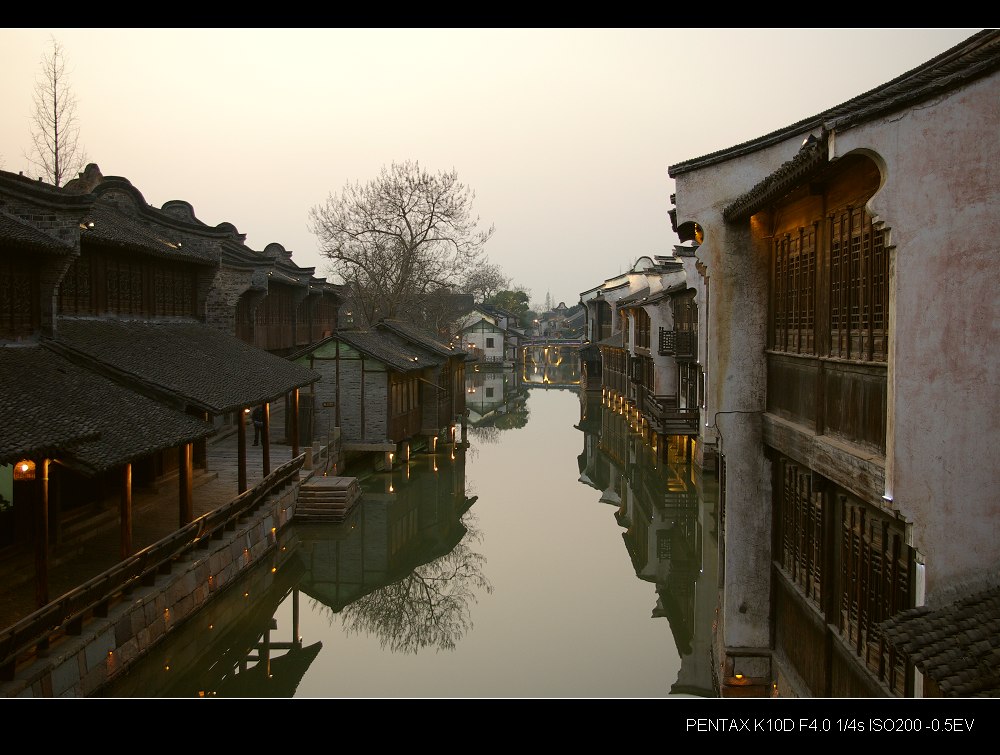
<point>665,417</point>
<point>680,344</point>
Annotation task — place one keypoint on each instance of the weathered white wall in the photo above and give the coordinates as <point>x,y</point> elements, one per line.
<point>940,201</point>
<point>735,323</point>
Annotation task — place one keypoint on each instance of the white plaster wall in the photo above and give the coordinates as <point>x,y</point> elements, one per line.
<point>940,200</point>
<point>735,383</point>
<point>661,315</point>
<point>478,339</point>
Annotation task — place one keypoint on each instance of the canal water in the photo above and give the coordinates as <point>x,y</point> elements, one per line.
<point>554,554</point>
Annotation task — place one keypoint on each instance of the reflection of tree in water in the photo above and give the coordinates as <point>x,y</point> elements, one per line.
<point>513,420</point>
<point>430,607</point>
<point>486,434</point>
<point>488,430</point>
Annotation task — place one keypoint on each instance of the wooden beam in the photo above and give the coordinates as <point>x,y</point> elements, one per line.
<point>42,534</point>
<point>294,430</point>
<point>125,515</point>
<point>266,440</point>
<point>184,474</point>
<point>241,449</point>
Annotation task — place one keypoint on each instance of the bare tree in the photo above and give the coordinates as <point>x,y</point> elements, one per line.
<point>430,607</point>
<point>55,131</point>
<point>400,240</point>
<point>484,281</point>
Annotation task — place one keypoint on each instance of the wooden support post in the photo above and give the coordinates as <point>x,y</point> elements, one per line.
<point>125,514</point>
<point>295,423</point>
<point>266,440</point>
<point>42,534</point>
<point>184,473</point>
<point>241,449</point>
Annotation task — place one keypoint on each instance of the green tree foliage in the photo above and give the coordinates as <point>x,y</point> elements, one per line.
<point>515,301</point>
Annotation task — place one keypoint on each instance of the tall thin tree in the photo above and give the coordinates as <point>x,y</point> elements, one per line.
<point>54,127</point>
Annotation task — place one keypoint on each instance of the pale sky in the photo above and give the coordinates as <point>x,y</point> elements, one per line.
<point>565,134</point>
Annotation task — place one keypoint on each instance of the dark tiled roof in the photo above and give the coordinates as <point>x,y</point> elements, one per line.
<point>201,365</point>
<point>977,56</point>
<point>17,231</point>
<point>397,355</point>
<point>635,298</point>
<point>102,423</point>
<point>421,338</point>
<point>116,229</point>
<point>958,645</point>
<point>615,340</point>
<point>36,416</point>
<point>810,158</point>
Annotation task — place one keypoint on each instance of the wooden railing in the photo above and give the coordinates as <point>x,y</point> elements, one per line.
<point>665,417</point>
<point>66,615</point>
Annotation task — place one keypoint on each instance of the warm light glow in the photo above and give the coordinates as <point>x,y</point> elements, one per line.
<point>246,411</point>
<point>24,470</point>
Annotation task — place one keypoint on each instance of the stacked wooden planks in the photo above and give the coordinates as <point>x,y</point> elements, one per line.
<point>327,499</point>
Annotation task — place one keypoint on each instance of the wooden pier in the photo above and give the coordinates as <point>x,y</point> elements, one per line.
<point>327,499</point>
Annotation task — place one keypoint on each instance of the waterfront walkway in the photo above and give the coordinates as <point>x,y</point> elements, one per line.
<point>155,515</point>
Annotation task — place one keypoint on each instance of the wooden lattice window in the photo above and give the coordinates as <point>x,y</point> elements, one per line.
<point>801,530</point>
<point>642,326</point>
<point>76,289</point>
<point>859,291</point>
<point>19,302</point>
<point>876,569</point>
<point>794,288</point>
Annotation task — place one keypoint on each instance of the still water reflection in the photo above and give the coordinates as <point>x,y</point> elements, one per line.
<point>514,566</point>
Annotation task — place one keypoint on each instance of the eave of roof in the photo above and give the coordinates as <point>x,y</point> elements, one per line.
<point>106,424</point>
<point>19,232</point>
<point>400,357</point>
<point>107,226</point>
<point>36,419</point>
<point>187,360</point>
<point>418,336</point>
<point>955,645</point>
<point>977,56</point>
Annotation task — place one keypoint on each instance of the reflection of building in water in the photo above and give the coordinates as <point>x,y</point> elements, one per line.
<point>551,366</point>
<point>408,533</point>
<point>491,392</point>
<point>670,529</point>
<point>234,646</point>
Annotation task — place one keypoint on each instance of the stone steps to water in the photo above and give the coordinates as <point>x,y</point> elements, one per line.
<point>327,499</point>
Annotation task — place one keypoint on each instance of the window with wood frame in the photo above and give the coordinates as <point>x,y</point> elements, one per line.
<point>98,283</point>
<point>642,327</point>
<point>801,534</point>
<point>859,290</point>
<point>875,583</point>
<point>19,300</point>
<point>794,291</point>
<point>830,268</point>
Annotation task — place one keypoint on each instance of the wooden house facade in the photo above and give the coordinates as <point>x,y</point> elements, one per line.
<point>387,385</point>
<point>112,375</point>
<point>840,314</point>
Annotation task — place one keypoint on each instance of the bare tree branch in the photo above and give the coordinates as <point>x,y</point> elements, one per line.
<point>55,130</point>
<point>401,239</point>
